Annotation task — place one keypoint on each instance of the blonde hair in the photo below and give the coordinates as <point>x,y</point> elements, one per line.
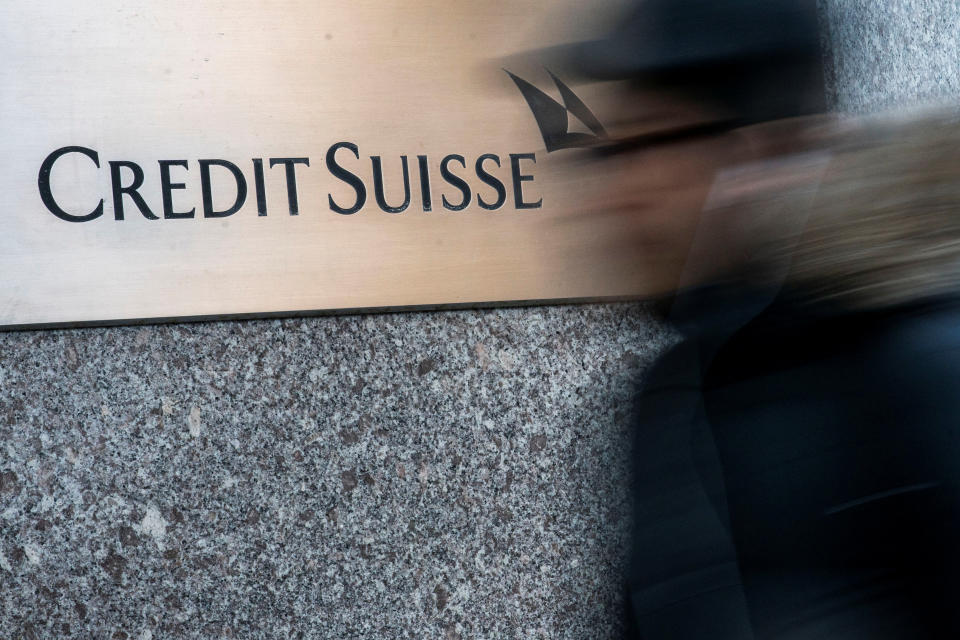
<point>883,227</point>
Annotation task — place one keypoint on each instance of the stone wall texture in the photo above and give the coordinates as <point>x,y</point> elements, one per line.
<point>457,474</point>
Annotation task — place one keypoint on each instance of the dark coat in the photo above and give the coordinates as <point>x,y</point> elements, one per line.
<point>797,471</point>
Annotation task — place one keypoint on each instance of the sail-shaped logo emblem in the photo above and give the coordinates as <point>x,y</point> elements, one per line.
<point>553,117</point>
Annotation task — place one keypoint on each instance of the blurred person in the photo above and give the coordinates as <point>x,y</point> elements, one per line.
<point>796,455</point>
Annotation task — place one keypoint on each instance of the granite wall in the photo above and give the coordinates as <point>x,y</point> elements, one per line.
<point>421,475</point>
<point>417,475</point>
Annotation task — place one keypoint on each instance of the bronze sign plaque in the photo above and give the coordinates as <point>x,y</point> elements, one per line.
<point>195,159</point>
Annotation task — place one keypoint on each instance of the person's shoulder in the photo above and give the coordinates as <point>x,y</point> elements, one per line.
<point>926,329</point>
<point>917,350</point>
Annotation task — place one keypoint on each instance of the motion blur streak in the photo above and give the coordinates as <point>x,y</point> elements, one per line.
<point>796,453</point>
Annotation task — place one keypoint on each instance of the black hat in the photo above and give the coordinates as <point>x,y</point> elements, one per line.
<point>760,59</point>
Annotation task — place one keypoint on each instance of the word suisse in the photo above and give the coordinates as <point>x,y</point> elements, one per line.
<point>342,162</point>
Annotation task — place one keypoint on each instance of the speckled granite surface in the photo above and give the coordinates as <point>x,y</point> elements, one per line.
<point>892,53</point>
<point>426,475</point>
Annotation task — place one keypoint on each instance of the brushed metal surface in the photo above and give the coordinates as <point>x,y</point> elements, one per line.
<point>142,82</point>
